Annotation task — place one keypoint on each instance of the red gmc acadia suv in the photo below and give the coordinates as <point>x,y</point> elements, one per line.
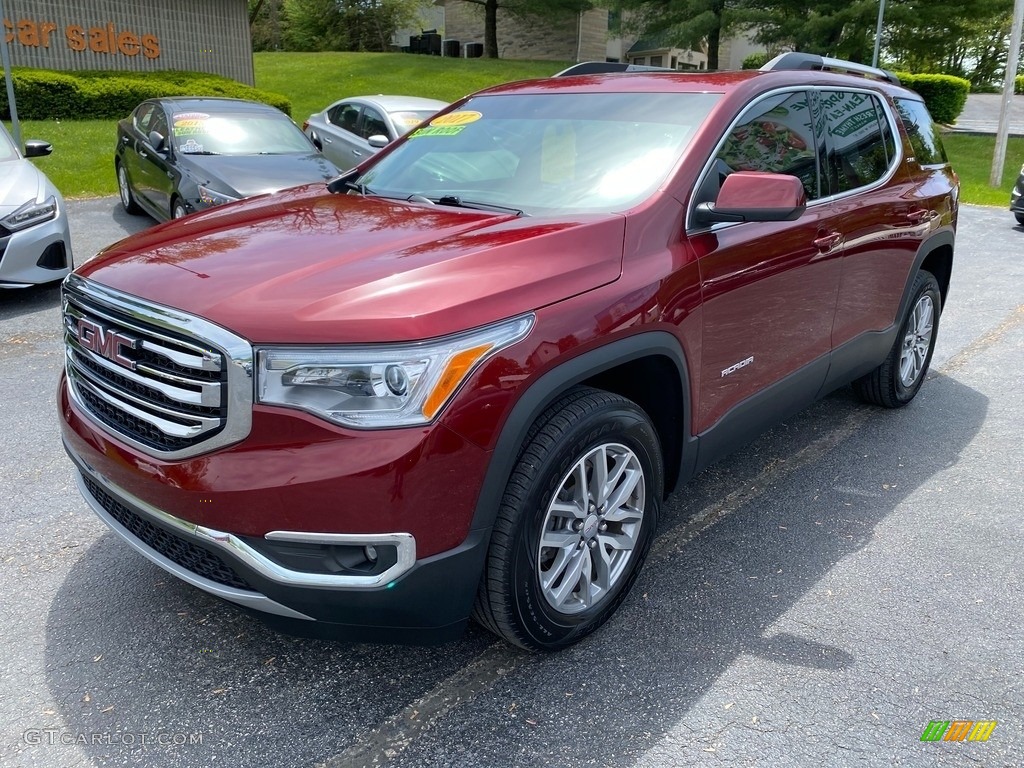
<point>462,378</point>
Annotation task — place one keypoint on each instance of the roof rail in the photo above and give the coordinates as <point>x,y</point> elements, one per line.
<point>797,60</point>
<point>605,67</point>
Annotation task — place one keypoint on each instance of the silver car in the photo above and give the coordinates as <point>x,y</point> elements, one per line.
<point>350,130</point>
<point>35,246</point>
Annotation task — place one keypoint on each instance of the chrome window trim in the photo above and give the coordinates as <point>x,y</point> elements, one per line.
<point>887,110</point>
<point>237,352</point>
<point>238,550</point>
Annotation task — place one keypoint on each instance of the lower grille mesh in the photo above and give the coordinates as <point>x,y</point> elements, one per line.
<point>181,551</point>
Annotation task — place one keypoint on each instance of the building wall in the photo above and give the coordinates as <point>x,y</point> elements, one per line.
<point>131,35</point>
<point>733,51</point>
<point>569,39</point>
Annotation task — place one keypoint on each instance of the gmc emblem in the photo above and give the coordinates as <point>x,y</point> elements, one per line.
<point>105,342</point>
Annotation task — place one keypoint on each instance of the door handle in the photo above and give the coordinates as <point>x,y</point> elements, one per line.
<point>142,154</point>
<point>357,153</point>
<point>827,242</point>
<point>328,140</point>
<point>124,139</point>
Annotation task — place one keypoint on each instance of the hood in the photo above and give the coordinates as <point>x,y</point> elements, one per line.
<point>307,266</point>
<point>20,181</point>
<point>249,175</point>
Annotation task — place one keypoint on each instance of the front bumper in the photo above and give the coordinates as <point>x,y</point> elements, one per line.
<point>39,254</point>
<point>231,522</point>
<point>421,602</point>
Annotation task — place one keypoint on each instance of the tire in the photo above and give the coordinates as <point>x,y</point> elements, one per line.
<point>548,597</point>
<point>178,208</point>
<point>894,383</point>
<point>124,189</point>
<point>1020,218</point>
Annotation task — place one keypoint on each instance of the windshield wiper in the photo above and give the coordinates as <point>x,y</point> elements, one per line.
<point>458,202</point>
<point>346,183</point>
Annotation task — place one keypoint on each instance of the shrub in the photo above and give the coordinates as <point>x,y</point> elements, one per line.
<point>944,95</point>
<point>45,95</point>
<point>755,61</point>
<point>1018,84</point>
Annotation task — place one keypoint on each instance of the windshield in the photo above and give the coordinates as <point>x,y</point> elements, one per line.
<point>408,119</point>
<point>546,153</point>
<point>7,151</point>
<point>237,134</point>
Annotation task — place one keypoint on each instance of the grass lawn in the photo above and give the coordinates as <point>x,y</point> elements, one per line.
<point>82,161</point>
<point>971,157</point>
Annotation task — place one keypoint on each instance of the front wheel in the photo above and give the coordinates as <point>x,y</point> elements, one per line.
<point>894,383</point>
<point>575,523</point>
<point>1020,218</point>
<point>178,209</point>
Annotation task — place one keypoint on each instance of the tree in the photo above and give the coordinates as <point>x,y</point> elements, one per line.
<point>523,10</point>
<point>344,25</point>
<point>693,24</point>
<point>966,38</point>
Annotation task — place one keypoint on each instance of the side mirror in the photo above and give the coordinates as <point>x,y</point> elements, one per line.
<point>37,148</point>
<point>755,196</point>
<point>378,140</point>
<point>157,141</point>
<point>316,141</point>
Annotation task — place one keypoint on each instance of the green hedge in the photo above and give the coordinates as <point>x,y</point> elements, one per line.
<point>755,60</point>
<point>44,95</point>
<point>1018,84</point>
<point>945,95</point>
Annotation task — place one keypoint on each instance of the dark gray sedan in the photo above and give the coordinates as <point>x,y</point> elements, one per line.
<point>175,156</point>
<point>350,130</point>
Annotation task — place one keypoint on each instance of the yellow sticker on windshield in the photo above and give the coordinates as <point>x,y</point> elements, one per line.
<point>457,118</point>
<point>441,130</point>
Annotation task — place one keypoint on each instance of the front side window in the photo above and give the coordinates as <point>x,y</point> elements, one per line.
<point>860,143</point>
<point>923,133</point>
<point>546,153</point>
<point>373,124</point>
<point>775,135</point>
<point>142,118</point>
<point>344,116</point>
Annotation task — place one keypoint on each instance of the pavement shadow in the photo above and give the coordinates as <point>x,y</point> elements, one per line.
<point>131,650</point>
<point>25,301</point>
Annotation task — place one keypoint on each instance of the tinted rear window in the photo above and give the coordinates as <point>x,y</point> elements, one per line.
<point>924,134</point>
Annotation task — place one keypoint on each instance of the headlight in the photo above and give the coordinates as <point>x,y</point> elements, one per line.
<point>212,197</point>
<point>391,385</point>
<point>30,214</point>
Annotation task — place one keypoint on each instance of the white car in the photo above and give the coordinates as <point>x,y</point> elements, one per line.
<point>35,246</point>
<point>350,130</point>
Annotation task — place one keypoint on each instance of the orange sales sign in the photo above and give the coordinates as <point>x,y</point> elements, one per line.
<point>106,39</point>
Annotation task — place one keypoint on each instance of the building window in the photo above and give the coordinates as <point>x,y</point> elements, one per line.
<point>656,61</point>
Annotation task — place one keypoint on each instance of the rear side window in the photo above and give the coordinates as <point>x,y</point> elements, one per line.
<point>923,133</point>
<point>860,141</point>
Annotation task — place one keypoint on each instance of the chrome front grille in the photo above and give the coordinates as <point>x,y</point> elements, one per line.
<point>172,384</point>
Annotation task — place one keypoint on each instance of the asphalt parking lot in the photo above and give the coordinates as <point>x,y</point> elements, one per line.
<point>816,599</point>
